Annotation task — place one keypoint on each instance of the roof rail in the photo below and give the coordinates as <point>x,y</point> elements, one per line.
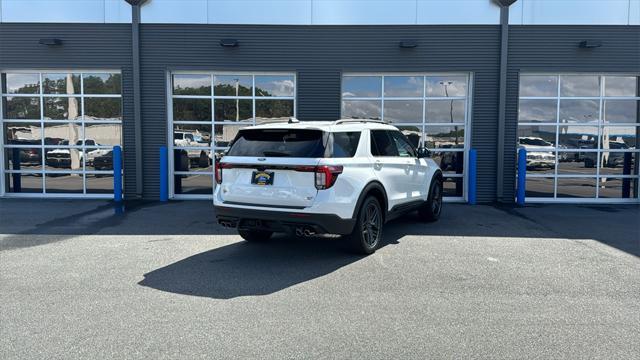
<point>342,121</point>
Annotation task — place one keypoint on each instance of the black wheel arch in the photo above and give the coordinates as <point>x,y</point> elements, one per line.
<point>376,189</point>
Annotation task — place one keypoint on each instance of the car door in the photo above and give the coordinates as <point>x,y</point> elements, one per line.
<point>392,170</point>
<point>416,169</point>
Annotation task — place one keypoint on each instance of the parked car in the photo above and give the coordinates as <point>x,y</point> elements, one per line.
<point>200,158</point>
<point>346,177</point>
<point>540,153</point>
<point>611,158</point>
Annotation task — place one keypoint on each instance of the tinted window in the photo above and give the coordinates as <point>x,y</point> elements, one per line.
<point>382,144</point>
<point>402,144</point>
<point>278,143</point>
<point>345,144</point>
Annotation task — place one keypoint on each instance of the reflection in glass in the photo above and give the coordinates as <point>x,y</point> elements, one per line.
<point>445,111</point>
<point>192,84</point>
<point>21,108</point>
<point>618,188</point>
<point>403,86</point>
<point>233,110</point>
<point>413,133</point>
<point>576,162</point>
<point>445,137</point>
<point>192,109</point>
<point>361,86</point>
<point>579,85</point>
<point>620,86</point>
<point>362,109</point>
<point>99,183</point>
<point>191,135</point>
<point>63,158</point>
<point>232,85</point>
<point>403,111</point>
<point>63,133</point>
<point>537,111</point>
<point>20,83</point>
<point>102,83</point>
<point>621,111</point>
<point>583,111</point>
<point>538,85</point>
<point>453,186</point>
<point>445,86</point>
<point>23,159</point>
<point>576,187</point>
<point>61,83</point>
<point>102,109</point>
<point>578,136</point>
<point>22,133</point>
<point>99,159</point>
<point>193,184</point>
<point>536,136</point>
<point>62,108</point>
<point>618,163</point>
<point>103,134</point>
<point>619,137</point>
<point>449,161</point>
<point>24,183</point>
<point>275,85</point>
<point>63,183</point>
<point>224,134</point>
<point>541,162</point>
<point>539,187</point>
<point>270,110</point>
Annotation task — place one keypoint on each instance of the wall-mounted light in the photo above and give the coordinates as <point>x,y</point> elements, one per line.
<point>229,42</point>
<point>408,44</point>
<point>50,42</point>
<point>590,44</point>
<point>505,3</point>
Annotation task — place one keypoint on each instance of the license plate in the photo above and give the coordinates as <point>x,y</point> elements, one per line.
<point>262,178</point>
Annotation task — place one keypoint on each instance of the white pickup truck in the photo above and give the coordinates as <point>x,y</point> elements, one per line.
<point>190,140</point>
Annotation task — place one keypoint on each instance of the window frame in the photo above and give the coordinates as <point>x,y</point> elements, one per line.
<point>599,125</point>
<point>43,147</point>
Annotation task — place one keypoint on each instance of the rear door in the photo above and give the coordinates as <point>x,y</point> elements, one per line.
<point>393,170</point>
<point>272,167</point>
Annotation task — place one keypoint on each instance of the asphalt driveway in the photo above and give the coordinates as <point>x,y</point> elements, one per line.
<point>164,281</point>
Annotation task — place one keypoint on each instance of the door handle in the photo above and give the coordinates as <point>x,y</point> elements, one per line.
<point>377,165</point>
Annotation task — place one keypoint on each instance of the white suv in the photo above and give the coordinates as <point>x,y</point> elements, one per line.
<point>308,178</point>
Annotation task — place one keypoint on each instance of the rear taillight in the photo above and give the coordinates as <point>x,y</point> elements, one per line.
<point>325,175</point>
<point>218,171</point>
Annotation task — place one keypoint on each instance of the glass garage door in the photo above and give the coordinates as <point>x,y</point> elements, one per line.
<point>58,129</point>
<point>430,109</point>
<point>208,109</point>
<point>581,135</point>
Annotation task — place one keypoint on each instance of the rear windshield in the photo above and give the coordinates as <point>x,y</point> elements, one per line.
<point>300,143</point>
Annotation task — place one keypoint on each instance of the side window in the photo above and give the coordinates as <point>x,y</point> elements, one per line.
<point>382,144</point>
<point>402,144</point>
<point>345,144</point>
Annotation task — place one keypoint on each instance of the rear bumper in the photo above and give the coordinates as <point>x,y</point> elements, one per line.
<point>282,221</point>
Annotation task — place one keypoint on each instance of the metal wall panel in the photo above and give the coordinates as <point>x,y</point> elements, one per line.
<point>319,55</point>
<point>555,49</point>
<point>85,47</point>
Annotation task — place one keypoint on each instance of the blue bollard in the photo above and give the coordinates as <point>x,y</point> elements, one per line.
<point>164,174</point>
<point>473,158</point>
<point>117,178</point>
<point>522,176</point>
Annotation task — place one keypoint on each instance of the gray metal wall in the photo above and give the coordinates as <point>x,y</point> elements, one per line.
<point>319,54</point>
<point>85,46</point>
<point>555,49</point>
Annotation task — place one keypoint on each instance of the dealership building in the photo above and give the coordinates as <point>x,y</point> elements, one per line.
<point>559,78</point>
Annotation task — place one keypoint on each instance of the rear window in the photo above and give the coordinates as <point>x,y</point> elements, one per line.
<point>301,143</point>
<point>345,144</point>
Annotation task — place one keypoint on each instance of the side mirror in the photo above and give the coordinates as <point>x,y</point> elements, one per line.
<point>423,152</point>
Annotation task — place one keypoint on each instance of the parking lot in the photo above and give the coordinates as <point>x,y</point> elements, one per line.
<point>164,281</point>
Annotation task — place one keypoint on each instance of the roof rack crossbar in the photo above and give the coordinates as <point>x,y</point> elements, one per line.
<point>342,121</point>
